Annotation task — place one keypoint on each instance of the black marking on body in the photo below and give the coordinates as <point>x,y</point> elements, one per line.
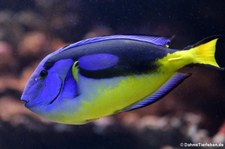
<point>121,69</point>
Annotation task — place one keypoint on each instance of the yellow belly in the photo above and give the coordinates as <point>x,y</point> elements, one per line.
<point>128,91</point>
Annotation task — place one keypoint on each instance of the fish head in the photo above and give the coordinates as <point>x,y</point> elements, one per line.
<point>45,85</point>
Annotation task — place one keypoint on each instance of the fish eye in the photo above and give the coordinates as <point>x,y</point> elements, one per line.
<point>43,73</point>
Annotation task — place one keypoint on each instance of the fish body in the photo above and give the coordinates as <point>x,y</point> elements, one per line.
<point>105,75</point>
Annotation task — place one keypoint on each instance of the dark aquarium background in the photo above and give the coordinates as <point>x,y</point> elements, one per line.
<point>192,113</point>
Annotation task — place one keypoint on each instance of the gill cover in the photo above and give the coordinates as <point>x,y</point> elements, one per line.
<point>44,90</point>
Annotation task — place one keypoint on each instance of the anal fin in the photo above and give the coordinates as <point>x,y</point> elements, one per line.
<point>162,91</point>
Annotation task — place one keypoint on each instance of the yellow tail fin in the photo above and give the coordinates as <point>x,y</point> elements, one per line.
<point>204,52</point>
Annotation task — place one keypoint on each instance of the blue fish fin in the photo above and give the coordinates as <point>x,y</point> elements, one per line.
<point>157,40</point>
<point>162,91</point>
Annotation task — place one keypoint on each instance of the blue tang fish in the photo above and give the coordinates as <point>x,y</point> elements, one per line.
<point>105,75</point>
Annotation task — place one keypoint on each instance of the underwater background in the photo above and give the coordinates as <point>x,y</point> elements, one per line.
<point>30,29</point>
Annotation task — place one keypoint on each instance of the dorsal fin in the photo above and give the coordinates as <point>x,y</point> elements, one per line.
<point>157,40</point>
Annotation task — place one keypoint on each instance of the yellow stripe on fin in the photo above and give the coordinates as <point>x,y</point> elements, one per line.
<point>175,58</point>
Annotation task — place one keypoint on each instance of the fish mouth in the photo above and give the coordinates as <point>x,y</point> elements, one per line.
<point>60,90</point>
<point>24,101</point>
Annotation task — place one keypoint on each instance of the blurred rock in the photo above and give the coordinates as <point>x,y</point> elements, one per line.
<point>33,44</point>
<point>7,60</point>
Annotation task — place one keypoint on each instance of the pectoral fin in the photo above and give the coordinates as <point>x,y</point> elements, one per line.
<point>162,91</point>
<point>75,71</point>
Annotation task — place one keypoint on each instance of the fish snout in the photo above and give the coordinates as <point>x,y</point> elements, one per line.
<point>24,101</point>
